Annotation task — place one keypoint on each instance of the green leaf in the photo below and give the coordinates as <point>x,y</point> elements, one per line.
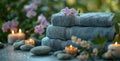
<point>99,40</point>
<point>117,28</point>
<point>117,38</point>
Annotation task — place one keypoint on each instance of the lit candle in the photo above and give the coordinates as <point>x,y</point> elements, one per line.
<point>71,50</point>
<point>12,37</point>
<point>30,41</point>
<point>20,35</point>
<point>115,49</point>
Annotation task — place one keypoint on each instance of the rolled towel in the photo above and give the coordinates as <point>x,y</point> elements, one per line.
<point>88,19</point>
<point>61,20</point>
<point>56,32</point>
<point>89,33</point>
<point>55,44</point>
<point>95,19</point>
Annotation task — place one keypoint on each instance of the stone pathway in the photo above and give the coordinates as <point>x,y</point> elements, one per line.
<point>9,54</point>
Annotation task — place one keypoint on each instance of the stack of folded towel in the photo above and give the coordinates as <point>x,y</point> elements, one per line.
<point>86,26</point>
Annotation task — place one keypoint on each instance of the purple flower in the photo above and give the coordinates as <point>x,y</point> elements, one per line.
<point>41,18</point>
<point>30,7</point>
<point>73,11</point>
<point>43,21</point>
<point>10,25</point>
<point>39,29</point>
<point>65,11</point>
<point>31,13</point>
<point>14,23</point>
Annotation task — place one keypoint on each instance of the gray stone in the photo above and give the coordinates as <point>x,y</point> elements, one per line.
<point>57,52</point>
<point>64,56</point>
<point>40,50</point>
<point>17,45</point>
<point>26,47</point>
<point>1,45</point>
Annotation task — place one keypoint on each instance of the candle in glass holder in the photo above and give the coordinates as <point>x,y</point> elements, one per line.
<point>71,50</point>
<point>20,35</point>
<point>30,41</point>
<point>12,38</point>
<point>115,49</point>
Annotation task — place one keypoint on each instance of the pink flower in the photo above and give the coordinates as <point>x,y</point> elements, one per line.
<point>73,11</point>
<point>43,21</point>
<point>30,7</point>
<point>10,25</point>
<point>31,13</point>
<point>65,11</point>
<point>39,29</point>
<point>41,18</point>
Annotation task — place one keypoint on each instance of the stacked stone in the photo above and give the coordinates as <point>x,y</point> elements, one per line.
<point>85,26</point>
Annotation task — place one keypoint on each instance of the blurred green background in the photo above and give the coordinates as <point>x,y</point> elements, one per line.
<point>13,9</point>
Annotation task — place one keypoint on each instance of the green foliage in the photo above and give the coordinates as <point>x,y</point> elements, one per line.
<point>100,40</point>
<point>116,28</point>
<point>117,38</point>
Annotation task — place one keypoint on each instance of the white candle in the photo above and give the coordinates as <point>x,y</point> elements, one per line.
<point>12,37</point>
<point>21,35</point>
<point>115,49</point>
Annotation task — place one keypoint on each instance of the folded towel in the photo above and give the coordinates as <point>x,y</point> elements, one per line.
<point>61,20</point>
<point>87,33</point>
<point>95,19</point>
<point>56,32</point>
<point>88,19</point>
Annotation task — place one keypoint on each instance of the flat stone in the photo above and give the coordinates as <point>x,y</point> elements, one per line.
<point>40,50</point>
<point>57,52</point>
<point>64,56</point>
<point>17,45</point>
<point>26,47</point>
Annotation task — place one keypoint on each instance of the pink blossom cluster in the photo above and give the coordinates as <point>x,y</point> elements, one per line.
<point>30,8</point>
<point>10,25</point>
<point>66,11</point>
<point>43,24</point>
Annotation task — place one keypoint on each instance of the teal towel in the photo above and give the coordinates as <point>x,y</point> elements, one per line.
<point>95,19</point>
<point>87,33</point>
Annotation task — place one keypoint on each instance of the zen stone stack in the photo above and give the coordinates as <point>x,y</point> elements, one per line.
<point>85,26</point>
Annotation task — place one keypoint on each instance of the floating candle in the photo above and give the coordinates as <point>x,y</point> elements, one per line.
<point>71,50</point>
<point>30,41</point>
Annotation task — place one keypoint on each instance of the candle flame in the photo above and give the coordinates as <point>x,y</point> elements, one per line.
<point>30,39</point>
<point>13,32</point>
<point>70,46</point>
<point>20,30</point>
<point>116,43</point>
